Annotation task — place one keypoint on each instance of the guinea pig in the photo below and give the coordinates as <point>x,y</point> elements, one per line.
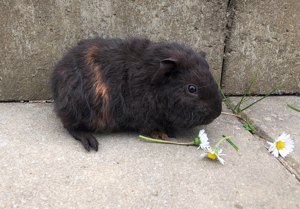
<point>114,85</point>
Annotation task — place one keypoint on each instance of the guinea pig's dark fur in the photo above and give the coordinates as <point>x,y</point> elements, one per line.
<point>112,85</point>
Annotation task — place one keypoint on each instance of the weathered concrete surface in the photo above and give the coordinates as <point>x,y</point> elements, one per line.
<point>271,117</point>
<point>264,39</point>
<point>35,34</point>
<point>41,166</point>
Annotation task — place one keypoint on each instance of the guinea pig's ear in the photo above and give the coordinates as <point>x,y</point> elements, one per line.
<point>165,70</point>
<point>202,53</point>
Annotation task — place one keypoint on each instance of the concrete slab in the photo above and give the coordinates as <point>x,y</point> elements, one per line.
<point>272,117</point>
<point>41,166</point>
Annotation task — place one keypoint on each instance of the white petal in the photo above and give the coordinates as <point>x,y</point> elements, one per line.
<point>272,147</point>
<point>275,152</point>
<point>288,146</point>
<point>289,142</point>
<point>203,155</point>
<point>204,146</point>
<point>221,160</point>
<point>214,152</point>
<point>201,132</point>
<point>208,148</point>
<point>287,136</point>
<point>204,138</point>
<point>220,152</point>
<point>289,149</point>
<point>283,137</point>
<point>282,153</point>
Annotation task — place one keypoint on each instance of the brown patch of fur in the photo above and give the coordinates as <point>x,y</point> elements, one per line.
<point>91,54</point>
<point>100,87</point>
<point>101,91</point>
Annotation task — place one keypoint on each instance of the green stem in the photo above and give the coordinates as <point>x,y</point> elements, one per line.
<point>238,116</point>
<point>227,137</point>
<point>253,129</point>
<point>293,107</point>
<point>270,140</point>
<point>166,142</point>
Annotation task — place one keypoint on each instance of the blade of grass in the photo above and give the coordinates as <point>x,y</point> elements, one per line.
<point>250,98</point>
<point>232,144</point>
<point>262,98</point>
<point>241,102</point>
<point>224,96</point>
<point>246,99</point>
<point>294,108</point>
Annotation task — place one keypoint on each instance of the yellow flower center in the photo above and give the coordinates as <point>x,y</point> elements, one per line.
<point>280,145</point>
<point>212,156</point>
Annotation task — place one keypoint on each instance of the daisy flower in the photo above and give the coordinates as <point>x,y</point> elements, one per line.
<point>213,153</point>
<point>203,144</point>
<point>282,145</point>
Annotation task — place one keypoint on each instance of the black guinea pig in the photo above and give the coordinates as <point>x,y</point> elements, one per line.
<point>113,85</point>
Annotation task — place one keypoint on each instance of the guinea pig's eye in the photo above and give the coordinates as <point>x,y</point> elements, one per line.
<point>192,89</point>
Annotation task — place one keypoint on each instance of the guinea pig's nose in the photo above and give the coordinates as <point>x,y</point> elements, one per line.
<point>220,105</point>
<point>217,108</point>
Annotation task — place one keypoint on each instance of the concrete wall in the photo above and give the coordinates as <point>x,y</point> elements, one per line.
<point>36,34</point>
<point>263,37</point>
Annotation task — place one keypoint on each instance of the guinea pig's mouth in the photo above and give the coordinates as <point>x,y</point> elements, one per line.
<point>202,121</point>
<point>211,118</point>
<point>215,112</point>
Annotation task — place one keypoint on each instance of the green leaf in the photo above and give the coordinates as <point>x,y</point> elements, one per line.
<point>232,144</point>
<point>246,125</point>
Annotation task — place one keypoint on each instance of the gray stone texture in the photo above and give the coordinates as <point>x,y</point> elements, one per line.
<point>271,117</point>
<point>42,166</point>
<point>35,34</point>
<point>264,38</point>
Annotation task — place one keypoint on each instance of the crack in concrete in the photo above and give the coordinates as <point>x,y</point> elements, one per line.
<point>27,101</point>
<point>286,163</point>
<point>230,13</point>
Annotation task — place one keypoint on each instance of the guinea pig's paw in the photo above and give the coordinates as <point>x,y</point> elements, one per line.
<point>162,135</point>
<point>87,139</point>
